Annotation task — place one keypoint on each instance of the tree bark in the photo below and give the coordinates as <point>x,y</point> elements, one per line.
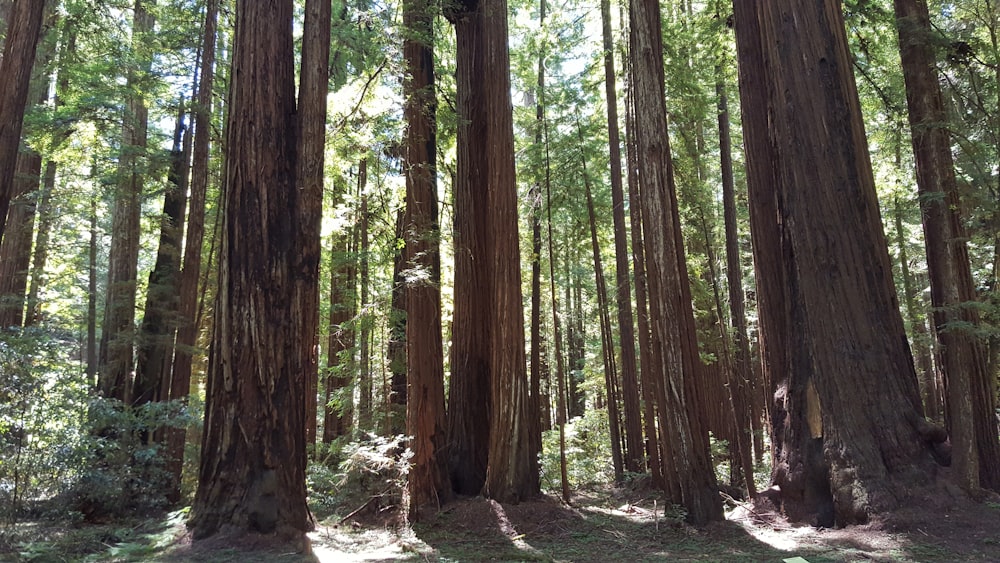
<point>117,330</point>
<point>671,318</point>
<point>831,327</point>
<point>428,483</point>
<point>313,89</point>
<point>975,454</point>
<point>396,347</point>
<point>252,472</point>
<point>15,250</point>
<point>24,29</point>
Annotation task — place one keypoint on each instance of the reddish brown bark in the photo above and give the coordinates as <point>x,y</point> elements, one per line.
<point>831,328</point>
<point>23,30</point>
<point>252,472</point>
<point>15,250</point>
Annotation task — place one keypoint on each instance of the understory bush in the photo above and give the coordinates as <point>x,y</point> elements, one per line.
<point>588,452</point>
<point>364,474</point>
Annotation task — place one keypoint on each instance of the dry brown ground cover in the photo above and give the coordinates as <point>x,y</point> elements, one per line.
<point>599,526</point>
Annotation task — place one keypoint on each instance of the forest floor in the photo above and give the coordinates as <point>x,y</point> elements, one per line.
<point>606,525</point>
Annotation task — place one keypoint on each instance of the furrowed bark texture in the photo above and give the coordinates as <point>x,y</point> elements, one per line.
<point>252,472</point>
<point>846,408</point>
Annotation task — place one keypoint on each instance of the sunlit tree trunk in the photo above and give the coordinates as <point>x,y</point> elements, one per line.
<point>428,484</point>
<point>313,89</point>
<point>252,471</point>
<point>23,30</point>
<point>831,328</point>
<point>671,318</point>
<point>117,329</point>
<point>971,411</point>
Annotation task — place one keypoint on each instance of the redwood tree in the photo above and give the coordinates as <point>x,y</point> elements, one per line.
<point>23,29</point>
<point>252,472</point>
<point>846,415</point>
<point>687,468</point>
<point>970,399</point>
<point>428,482</point>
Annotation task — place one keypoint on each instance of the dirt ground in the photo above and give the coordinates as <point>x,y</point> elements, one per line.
<point>599,526</point>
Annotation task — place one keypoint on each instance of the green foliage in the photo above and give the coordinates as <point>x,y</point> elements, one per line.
<point>369,471</point>
<point>588,452</point>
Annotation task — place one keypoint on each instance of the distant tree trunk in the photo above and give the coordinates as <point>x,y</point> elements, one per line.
<point>746,407</point>
<point>117,330</point>
<point>187,322</point>
<point>561,387</point>
<point>675,358</point>
<point>469,402</point>
<point>92,293</point>
<point>823,274</point>
<point>535,202</point>
<point>396,347</point>
<point>252,472</point>
<point>15,250</point>
<point>337,416</point>
<point>634,458</point>
<point>313,90</point>
<point>972,424</point>
<point>156,334</point>
<point>611,384</point>
<point>365,316</point>
<point>23,30</point>
<point>428,483</point>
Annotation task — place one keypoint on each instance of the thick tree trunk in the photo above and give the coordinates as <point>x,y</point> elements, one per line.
<point>313,89</point>
<point>831,327</point>
<point>117,330</point>
<point>15,250</point>
<point>187,325</point>
<point>428,483</point>
<point>23,31</point>
<point>971,409</point>
<point>252,472</point>
<point>469,403</point>
<point>671,318</point>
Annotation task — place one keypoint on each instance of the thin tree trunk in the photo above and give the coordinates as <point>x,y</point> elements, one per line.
<point>313,89</point>
<point>117,330</point>
<point>337,416</point>
<point>33,313</point>
<point>396,347</point>
<point>187,321</point>
<point>92,291</point>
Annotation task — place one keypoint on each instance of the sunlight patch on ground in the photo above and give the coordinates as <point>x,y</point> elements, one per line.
<point>336,545</point>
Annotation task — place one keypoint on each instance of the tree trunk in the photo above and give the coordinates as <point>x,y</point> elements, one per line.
<point>39,257</point>
<point>156,334</point>
<point>337,416</point>
<point>972,427</point>
<point>428,483</point>
<point>15,250</point>
<point>469,402</point>
<point>365,316</point>
<point>252,473</point>
<point>92,294</point>
<point>313,89</point>
<point>396,347</point>
<point>187,325</point>
<point>117,330</point>
<point>671,318</point>
<point>24,28</point>
<point>831,327</point>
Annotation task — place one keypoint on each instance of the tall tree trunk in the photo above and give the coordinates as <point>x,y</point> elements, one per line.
<point>469,402</point>
<point>313,90</point>
<point>117,330</point>
<point>92,293</point>
<point>40,254</point>
<point>252,472</point>
<point>156,334</point>
<point>634,458</point>
<point>675,358</point>
<point>23,31</point>
<point>746,407</point>
<point>428,483</point>
<point>971,409</point>
<point>607,335</point>
<point>823,274</point>
<point>366,319</point>
<point>187,325</point>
